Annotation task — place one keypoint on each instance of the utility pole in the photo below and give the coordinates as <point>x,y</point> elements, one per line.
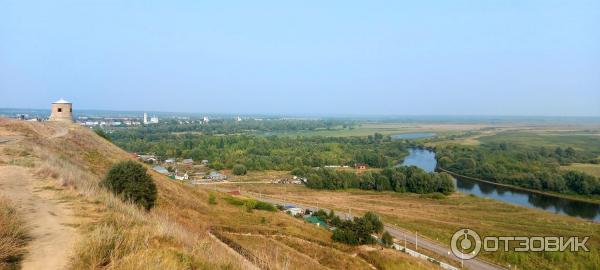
<point>404,242</point>
<point>416,241</point>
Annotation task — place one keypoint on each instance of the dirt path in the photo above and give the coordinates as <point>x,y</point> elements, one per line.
<point>51,222</point>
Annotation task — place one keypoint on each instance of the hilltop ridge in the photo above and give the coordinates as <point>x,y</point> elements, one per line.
<point>184,231</point>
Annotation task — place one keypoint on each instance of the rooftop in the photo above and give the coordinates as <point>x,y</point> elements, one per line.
<point>61,101</point>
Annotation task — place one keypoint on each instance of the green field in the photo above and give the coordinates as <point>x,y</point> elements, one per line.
<point>367,129</point>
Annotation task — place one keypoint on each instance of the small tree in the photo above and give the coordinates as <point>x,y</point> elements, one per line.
<point>130,181</point>
<point>239,169</point>
<point>387,239</point>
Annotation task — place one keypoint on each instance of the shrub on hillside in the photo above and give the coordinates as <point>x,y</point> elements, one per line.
<point>130,181</point>
<point>212,199</point>
<point>239,169</point>
<point>387,239</point>
<point>358,231</point>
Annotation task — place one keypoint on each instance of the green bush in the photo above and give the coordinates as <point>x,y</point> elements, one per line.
<point>435,196</point>
<point>216,165</point>
<point>239,169</point>
<point>212,199</point>
<point>265,206</point>
<point>251,204</point>
<point>130,181</point>
<point>387,239</point>
<point>358,231</point>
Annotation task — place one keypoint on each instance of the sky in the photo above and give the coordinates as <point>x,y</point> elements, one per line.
<point>347,57</point>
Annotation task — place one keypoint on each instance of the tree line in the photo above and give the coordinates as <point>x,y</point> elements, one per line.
<point>530,167</point>
<point>268,152</point>
<point>398,179</point>
<point>230,126</point>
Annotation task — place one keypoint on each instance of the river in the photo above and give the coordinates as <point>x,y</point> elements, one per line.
<point>425,159</point>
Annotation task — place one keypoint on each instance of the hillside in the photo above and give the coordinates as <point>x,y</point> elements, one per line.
<point>50,174</point>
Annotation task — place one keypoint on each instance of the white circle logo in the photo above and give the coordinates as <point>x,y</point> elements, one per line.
<point>465,244</point>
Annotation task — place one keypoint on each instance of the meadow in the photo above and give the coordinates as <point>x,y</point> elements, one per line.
<point>438,218</point>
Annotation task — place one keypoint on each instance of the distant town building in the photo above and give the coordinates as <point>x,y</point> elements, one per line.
<point>62,111</point>
<point>239,119</point>
<point>153,119</point>
<point>205,119</point>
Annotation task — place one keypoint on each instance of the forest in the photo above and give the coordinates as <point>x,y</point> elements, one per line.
<point>258,152</point>
<point>534,167</point>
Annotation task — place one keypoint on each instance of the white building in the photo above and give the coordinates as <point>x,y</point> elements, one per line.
<point>295,211</point>
<point>145,118</point>
<point>154,120</point>
<point>205,119</point>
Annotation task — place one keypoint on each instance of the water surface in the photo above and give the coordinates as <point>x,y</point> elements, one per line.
<point>411,136</point>
<point>425,159</point>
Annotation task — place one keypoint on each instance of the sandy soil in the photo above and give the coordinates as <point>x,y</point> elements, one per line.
<point>51,221</point>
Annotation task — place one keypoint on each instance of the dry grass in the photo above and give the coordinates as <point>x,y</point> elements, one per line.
<point>439,219</point>
<point>118,235</point>
<point>387,259</point>
<point>592,169</point>
<point>13,236</point>
<point>259,176</point>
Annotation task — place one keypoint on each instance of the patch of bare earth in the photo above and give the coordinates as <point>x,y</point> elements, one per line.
<point>51,221</point>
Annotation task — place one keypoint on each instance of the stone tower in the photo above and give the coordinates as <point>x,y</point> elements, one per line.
<point>62,111</point>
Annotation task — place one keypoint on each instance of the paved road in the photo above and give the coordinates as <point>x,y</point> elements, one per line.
<point>398,233</point>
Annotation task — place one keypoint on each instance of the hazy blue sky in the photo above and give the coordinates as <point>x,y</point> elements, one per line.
<point>318,57</point>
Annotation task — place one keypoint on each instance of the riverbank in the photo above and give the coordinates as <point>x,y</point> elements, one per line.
<point>579,198</point>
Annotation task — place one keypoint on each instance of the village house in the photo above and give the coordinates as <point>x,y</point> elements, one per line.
<point>160,169</point>
<point>216,176</point>
<point>170,161</point>
<point>183,177</point>
<point>293,210</point>
<point>187,162</point>
<point>148,158</point>
<point>360,166</point>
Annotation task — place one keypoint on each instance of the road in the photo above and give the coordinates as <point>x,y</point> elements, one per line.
<point>398,233</point>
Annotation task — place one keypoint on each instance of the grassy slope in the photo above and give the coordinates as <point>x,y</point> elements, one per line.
<point>174,235</point>
<point>13,236</point>
<point>439,219</point>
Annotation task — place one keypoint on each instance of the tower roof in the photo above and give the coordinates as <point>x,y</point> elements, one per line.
<point>61,101</point>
